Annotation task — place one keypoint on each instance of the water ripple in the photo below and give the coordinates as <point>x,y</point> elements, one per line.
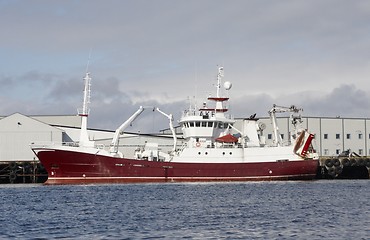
<point>268,210</point>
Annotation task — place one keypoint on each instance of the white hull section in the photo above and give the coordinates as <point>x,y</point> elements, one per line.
<point>235,155</point>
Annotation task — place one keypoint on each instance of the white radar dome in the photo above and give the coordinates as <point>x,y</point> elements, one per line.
<point>228,85</point>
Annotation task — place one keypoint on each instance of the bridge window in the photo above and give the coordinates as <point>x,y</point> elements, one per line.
<point>210,124</point>
<point>204,124</point>
<point>220,125</point>
<point>197,124</point>
<point>191,124</point>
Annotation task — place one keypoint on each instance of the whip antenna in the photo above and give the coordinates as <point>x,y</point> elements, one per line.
<point>88,61</point>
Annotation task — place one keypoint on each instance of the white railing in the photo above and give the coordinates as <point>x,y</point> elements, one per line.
<point>48,144</point>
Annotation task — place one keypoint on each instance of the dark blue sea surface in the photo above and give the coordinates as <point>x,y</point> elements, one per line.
<point>336,209</point>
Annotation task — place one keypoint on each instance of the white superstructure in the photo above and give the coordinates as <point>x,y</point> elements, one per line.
<point>208,136</point>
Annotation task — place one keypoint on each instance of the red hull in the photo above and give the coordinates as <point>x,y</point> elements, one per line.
<point>66,167</point>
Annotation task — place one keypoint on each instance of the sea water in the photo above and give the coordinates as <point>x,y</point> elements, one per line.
<point>335,209</point>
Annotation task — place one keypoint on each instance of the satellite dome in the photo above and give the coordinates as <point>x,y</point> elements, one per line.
<point>228,85</point>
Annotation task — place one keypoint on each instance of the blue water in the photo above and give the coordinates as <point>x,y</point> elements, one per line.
<point>337,209</point>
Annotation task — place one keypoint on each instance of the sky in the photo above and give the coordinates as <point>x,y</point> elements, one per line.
<point>165,53</point>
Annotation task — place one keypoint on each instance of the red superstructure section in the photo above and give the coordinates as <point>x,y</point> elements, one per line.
<point>218,99</point>
<point>66,167</point>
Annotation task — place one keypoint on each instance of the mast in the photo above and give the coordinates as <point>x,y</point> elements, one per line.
<point>84,113</point>
<point>219,110</point>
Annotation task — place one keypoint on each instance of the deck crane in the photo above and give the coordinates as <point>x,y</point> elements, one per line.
<point>278,141</point>
<point>119,131</point>
<point>115,141</point>
<point>170,117</point>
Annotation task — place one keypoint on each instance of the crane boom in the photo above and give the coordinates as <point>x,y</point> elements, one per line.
<point>278,141</point>
<point>170,117</point>
<point>119,131</point>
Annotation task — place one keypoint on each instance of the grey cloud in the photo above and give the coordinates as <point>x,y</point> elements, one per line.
<point>145,52</point>
<point>345,101</point>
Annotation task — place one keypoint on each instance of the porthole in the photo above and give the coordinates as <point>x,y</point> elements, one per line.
<point>223,153</point>
<point>231,153</point>
<point>206,153</point>
<point>198,153</point>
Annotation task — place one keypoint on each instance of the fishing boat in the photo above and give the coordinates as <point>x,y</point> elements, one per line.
<point>213,149</point>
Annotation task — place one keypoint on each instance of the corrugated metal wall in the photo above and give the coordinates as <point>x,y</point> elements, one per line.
<point>18,131</point>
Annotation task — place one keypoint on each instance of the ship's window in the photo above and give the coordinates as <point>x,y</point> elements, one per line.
<point>226,125</point>
<point>337,136</point>
<point>220,125</point>
<point>349,136</point>
<point>206,153</point>
<point>269,136</point>
<point>198,153</point>
<point>325,136</point>
<point>197,124</point>
<point>282,136</point>
<point>360,136</point>
<point>210,124</point>
<point>337,151</point>
<point>191,124</point>
<point>360,151</point>
<point>204,124</point>
<point>231,153</point>
<point>223,153</point>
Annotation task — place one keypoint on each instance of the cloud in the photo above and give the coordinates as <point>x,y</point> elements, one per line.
<point>344,101</point>
<point>307,53</point>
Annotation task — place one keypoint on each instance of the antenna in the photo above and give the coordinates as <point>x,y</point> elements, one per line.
<point>88,61</point>
<point>220,75</point>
